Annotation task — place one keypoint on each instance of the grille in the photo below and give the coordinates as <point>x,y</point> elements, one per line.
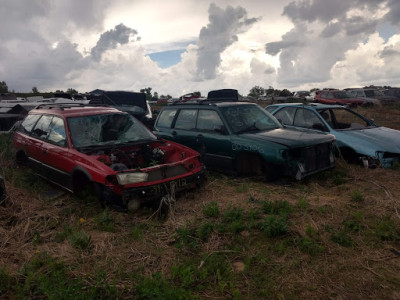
<point>166,172</point>
<point>317,157</point>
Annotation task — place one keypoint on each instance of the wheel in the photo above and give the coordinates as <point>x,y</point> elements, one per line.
<point>349,155</point>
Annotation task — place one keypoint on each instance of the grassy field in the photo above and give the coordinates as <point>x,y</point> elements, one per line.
<point>334,235</point>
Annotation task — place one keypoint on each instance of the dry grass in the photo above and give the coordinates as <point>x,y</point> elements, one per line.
<point>368,269</point>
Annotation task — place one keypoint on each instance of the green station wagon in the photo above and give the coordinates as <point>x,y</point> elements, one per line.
<point>244,138</point>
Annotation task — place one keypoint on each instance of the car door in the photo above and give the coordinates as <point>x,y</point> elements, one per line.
<point>56,154</point>
<point>213,141</point>
<point>309,119</point>
<point>38,137</point>
<point>184,128</point>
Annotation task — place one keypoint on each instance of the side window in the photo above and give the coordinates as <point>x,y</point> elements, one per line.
<point>42,127</point>
<point>28,123</point>
<point>286,115</point>
<point>57,133</point>
<point>186,119</point>
<point>308,119</point>
<point>166,118</point>
<point>208,120</point>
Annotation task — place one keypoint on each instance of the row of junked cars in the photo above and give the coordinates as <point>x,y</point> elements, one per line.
<point>76,145</point>
<point>352,96</point>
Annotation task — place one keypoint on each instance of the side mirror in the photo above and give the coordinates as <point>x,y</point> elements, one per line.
<point>221,129</point>
<point>318,126</point>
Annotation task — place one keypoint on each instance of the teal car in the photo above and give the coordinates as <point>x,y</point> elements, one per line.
<point>242,137</point>
<point>358,139</point>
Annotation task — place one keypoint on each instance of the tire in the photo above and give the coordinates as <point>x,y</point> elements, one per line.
<point>349,155</point>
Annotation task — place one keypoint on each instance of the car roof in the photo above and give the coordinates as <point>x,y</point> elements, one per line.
<point>310,105</point>
<point>72,110</point>
<point>206,102</point>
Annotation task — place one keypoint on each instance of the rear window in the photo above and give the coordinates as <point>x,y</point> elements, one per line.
<point>166,117</point>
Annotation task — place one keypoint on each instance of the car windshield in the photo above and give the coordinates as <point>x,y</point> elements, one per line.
<point>373,93</point>
<point>342,95</point>
<point>247,118</point>
<point>344,119</point>
<point>98,130</point>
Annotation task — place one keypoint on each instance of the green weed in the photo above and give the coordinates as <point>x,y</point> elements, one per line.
<point>186,237</point>
<point>356,196</point>
<point>47,278</point>
<point>64,234</point>
<point>309,246</point>
<point>80,240</point>
<point>387,229</point>
<point>6,282</point>
<point>354,223</point>
<point>282,208</point>
<point>156,287</point>
<point>204,231</point>
<point>342,238</point>
<point>105,221</point>
<point>210,210</point>
<point>303,203</point>
<point>138,232</point>
<point>274,226</point>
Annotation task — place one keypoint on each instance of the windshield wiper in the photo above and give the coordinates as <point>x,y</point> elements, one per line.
<point>253,127</point>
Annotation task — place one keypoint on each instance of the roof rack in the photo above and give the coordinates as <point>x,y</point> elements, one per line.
<point>60,105</point>
<point>205,101</point>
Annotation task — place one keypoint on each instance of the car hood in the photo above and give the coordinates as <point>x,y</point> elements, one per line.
<point>290,137</point>
<point>375,139</point>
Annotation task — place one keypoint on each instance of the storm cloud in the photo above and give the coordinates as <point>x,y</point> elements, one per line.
<point>324,31</point>
<point>221,32</point>
<point>110,39</point>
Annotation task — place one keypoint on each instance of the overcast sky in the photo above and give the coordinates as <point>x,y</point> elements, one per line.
<point>181,46</point>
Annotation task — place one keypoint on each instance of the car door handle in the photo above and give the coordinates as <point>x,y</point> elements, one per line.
<point>174,133</point>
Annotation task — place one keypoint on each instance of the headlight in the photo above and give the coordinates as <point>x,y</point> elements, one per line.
<point>128,178</point>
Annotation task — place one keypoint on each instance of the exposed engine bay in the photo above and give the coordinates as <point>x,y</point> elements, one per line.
<point>139,156</point>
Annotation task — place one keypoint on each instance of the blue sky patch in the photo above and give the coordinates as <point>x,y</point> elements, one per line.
<point>166,59</point>
<point>386,31</point>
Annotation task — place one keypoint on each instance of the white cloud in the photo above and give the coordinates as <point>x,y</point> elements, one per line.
<point>289,44</point>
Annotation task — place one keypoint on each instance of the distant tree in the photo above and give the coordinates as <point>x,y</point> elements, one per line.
<point>314,89</point>
<point>147,91</point>
<point>256,92</point>
<point>72,91</point>
<point>155,96</point>
<point>270,91</point>
<point>3,87</point>
<point>59,91</point>
<point>285,93</point>
<point>198,94</point>
<point>35,90</point>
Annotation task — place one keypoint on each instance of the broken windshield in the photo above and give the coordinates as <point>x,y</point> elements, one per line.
<point>98,130</point>
<point>246,118</point>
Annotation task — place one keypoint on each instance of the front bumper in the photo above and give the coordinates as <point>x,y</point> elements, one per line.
<point>154,192</point>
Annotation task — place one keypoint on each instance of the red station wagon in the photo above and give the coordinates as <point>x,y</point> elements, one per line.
<point>77,146</point>
<point>337,97</point>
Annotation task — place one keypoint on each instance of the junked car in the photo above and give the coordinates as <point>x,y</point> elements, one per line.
<point>337,97</point>
<point>358,139</point>
<point>77,146</point>
<point>242,138</point>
